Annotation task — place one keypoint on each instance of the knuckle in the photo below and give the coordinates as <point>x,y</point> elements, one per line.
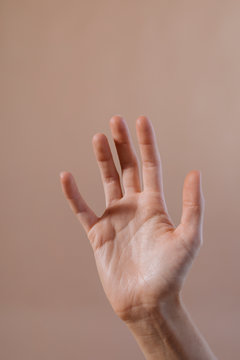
<point>111,179</point>
<point>130,164</point>
<point>151,163</point>
<point>196,207</point>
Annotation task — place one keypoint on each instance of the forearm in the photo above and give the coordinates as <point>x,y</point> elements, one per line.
<point>167,332</point>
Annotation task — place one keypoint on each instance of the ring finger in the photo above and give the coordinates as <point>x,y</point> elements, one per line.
<point>109,174</point>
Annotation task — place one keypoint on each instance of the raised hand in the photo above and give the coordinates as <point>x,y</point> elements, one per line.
<point>141,256</point>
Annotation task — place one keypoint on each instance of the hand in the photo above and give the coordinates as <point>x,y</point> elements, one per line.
<point>141,257</point>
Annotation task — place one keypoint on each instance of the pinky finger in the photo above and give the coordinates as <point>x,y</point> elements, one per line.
<point>78,205</point>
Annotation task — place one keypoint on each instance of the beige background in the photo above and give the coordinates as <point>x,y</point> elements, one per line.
<point>66,68</point>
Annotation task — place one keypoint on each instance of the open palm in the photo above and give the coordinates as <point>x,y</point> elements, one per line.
<point>141,257</point>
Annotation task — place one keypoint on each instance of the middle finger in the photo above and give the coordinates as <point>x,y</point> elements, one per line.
<point>127,155</point>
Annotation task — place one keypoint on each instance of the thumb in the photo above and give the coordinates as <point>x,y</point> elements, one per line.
<point>192,202</point>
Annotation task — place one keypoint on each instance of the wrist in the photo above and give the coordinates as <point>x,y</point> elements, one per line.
<point>166,331</point>
<point>147,312</point>
<point>154,326</point>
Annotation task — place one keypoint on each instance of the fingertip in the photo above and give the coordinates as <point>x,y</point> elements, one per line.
<point>195,173</point>
<point>142,120</point>
<point>144,126</point>
<point>116,120</point>
<point>66,179</point>
<point>118,126</point>
<point>98,137</point>
<point>63,174</point>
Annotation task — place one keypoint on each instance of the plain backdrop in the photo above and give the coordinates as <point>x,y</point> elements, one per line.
<point>66,68</point>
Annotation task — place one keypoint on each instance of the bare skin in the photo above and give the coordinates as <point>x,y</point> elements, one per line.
<point>141,256</point>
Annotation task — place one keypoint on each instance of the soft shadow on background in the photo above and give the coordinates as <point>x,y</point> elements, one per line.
<point>66,68</point>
